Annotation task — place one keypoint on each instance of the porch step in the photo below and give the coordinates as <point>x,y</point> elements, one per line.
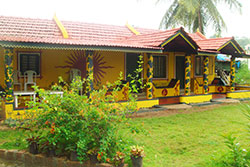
<point>219,96</point>
<point>142,95</point>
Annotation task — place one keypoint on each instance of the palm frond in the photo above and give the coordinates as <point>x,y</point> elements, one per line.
<point>214,16</point>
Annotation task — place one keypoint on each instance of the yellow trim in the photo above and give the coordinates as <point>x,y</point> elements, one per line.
<point>166,42</point>
<point>195,99</point>
<point>227,44</point>
<point>238,95</point>
<point>145,103</point>
<point>132,29</point>
<point>61,27</point>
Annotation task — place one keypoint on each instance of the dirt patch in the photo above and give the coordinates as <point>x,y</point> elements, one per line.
<point>4,127</point>
<point>169,112</point>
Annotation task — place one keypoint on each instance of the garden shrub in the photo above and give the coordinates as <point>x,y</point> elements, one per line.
<point>243,74</point>
<point>81,123</point>
<point>237,156</point>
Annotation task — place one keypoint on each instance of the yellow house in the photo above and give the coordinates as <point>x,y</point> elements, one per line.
<point>178,67</point>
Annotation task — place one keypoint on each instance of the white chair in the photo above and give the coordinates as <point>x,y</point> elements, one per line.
<point>74,73</point>
<point>16,76</point>
<point>29,78</point>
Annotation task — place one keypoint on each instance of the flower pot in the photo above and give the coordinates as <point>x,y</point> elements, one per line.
<point>73,156</point>
<point>93,159</point>
<point>33,148</point>
<point>136,161</point>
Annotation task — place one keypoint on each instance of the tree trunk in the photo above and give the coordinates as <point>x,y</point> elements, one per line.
<point>200,21</point>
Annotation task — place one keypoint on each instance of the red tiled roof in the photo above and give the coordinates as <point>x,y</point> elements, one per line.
<point>197,36</point>
<point>150,39</point>
<point>17,29</point>
<point>213,43</point>
<point>46,31</point>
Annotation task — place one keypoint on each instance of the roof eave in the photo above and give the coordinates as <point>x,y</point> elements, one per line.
<point>31,45</point>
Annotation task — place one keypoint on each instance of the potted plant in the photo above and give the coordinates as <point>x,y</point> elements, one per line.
<point>118,159</point>
<point>33,144</point>
<point>137,154</point>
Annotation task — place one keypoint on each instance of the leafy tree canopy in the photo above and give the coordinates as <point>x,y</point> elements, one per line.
<point>197,14</point>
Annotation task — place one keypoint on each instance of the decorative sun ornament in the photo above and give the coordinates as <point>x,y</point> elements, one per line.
<point>77,60</point>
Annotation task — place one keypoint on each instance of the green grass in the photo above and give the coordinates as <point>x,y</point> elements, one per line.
<point>190,139</point>
<point>182,140</point>
<point>12,139</point>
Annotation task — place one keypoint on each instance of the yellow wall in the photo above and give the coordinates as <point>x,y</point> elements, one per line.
<point>50,59</point>
<point>116,60</point>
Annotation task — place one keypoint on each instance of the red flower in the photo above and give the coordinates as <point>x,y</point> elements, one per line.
<point>52,131</point>
<point>47,122</point>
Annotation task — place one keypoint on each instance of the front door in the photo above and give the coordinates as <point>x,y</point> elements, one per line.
<point>180,70</point>
<point>131,66</point>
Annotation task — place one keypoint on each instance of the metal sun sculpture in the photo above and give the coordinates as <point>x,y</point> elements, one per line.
<point>77,60</point>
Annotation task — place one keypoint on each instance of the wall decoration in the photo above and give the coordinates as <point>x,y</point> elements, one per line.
<point>187,74</point>
<point>77,59</point>
<point>205,75</point>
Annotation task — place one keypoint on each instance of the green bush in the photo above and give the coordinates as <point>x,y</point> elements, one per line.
<point>237,156</point>
<point>81,123</point>
<point>243,74</point>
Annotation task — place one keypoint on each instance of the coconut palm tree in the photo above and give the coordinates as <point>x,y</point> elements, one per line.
<point>197,14</point>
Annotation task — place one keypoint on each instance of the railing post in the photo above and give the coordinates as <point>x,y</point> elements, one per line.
<point>150,77</point>
<point>232,72</point>
<point>8,59</point>
<point>187,74</point>
<point>90,72</point>
<point>205,75</point>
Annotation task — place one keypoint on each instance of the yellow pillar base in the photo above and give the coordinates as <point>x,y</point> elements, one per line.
<point>238,95</point>
<point>195,99</point>
<point>8,109</point>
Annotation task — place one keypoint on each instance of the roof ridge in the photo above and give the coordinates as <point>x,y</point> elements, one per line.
<point>215,38</point>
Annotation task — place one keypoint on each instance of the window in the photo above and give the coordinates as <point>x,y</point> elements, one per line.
<point>199,65</point>
<point>29,61</point>
<point>160,68</point>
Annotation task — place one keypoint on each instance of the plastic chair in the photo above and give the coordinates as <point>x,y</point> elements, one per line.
<point>29,78</point>
<point>16,75</point>
<point>74,73</point>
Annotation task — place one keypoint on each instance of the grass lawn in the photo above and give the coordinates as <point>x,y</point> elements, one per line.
<point>191,139</point>
<point>177,140</point>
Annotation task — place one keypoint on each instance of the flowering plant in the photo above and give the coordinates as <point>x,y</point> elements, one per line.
<point>86,124</point>
<point>137,151</point>
<point>33,139</point>
<point>118,158</point>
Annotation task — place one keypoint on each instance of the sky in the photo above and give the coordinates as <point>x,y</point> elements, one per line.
<point>139,13</point>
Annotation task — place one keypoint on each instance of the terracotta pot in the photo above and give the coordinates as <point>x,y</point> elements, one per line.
<point>136,161</point>
<point>33,148</point>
